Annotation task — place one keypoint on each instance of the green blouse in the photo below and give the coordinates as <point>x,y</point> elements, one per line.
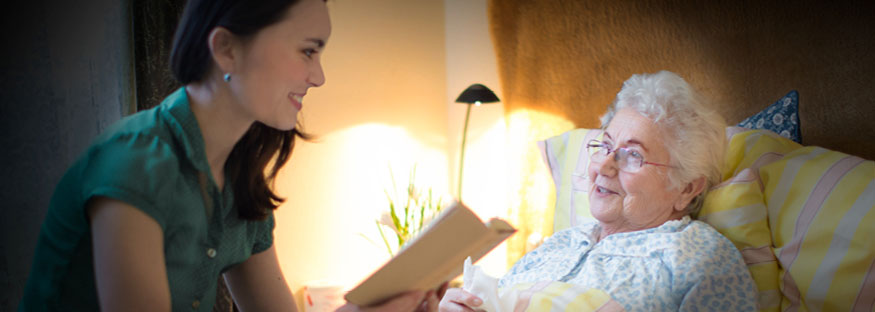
<point>154,160</point>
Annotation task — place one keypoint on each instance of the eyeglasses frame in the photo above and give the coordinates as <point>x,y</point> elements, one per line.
<point>601,144</point>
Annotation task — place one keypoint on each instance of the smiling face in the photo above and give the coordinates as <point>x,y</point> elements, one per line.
<point>280,63</point>
<point>629,201</point>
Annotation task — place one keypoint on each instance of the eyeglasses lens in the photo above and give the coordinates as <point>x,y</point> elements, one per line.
<point>626,161</point>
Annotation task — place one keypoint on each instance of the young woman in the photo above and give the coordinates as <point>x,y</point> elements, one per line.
<point>170,198</point>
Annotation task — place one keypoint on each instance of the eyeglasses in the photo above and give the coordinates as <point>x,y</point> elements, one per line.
<point>627,160</point>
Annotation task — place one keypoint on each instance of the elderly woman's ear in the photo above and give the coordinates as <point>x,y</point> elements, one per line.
<point>691,190</point>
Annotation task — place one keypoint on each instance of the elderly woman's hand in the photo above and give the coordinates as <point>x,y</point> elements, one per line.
<point>457,300</point>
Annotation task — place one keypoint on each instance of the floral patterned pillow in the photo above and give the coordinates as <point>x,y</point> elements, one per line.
<point>781,118</point>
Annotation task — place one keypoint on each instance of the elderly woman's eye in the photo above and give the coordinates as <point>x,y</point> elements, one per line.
<point>635,154</point>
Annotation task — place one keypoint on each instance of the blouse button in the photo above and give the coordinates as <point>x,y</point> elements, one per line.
<point>195,304</point>
<point>211,252</point>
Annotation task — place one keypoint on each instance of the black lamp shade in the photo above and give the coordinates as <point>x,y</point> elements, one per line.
<point>477,93</point>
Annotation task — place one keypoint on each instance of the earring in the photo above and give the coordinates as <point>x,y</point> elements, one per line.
<point>227,77</point>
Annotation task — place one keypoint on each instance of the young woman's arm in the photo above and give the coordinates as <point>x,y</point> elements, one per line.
<point>258,284</point>
<point>128,258</point>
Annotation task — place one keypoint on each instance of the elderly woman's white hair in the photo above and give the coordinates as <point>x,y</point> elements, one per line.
<point>694,131</point>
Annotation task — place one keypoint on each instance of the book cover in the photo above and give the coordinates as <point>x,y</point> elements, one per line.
<point>435,256</point>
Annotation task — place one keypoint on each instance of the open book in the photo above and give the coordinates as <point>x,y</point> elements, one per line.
<point>435,256</point>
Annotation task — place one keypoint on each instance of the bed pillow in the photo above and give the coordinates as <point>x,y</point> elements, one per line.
<point>567,159</point>
<point>782,118</point>
<point>802,218</point>
<point>821,209</point>
<point>737,210</point>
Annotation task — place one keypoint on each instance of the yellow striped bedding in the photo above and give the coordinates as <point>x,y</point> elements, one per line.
<point>567,159</point>
<point>803,219</point>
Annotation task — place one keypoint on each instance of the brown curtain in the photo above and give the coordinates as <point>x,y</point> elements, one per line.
<point>566,59</point>
<point>154,24</point>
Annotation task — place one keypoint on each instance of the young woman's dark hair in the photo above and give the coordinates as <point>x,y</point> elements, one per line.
<point>190,61</point>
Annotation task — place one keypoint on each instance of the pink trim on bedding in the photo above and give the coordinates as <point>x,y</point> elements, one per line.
<point>809,211</point>
<point>791,292</point>
<point>765,159</point>
<point>578,184</point>
<point>731,131</point>
<point>582,156</point>
<point>522,302</point>
<point>866,297</point>
<point>745,175</point>
<point>551,162</point>
<point>752,173</point>
<point>610,306</point>
<point>754,255</point>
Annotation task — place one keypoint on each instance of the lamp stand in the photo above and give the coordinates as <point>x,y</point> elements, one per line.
<point>462,155</point>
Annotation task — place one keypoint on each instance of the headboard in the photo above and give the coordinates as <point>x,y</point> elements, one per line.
<point>570,58</point>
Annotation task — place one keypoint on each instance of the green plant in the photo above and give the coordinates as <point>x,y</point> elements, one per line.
<point>408,214</point>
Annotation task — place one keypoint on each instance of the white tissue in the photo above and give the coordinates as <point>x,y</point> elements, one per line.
<point>485,287</point>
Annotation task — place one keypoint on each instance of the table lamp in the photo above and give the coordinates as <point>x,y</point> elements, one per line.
<point>476,94</point>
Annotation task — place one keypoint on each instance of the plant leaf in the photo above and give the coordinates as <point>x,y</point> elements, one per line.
<point>389,249</point>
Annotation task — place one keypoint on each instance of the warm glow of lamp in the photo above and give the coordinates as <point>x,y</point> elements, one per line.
<point>475,94</point>
<point>329,216</point>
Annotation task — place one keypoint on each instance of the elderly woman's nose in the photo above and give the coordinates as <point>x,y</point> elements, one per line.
<point>607,167</point>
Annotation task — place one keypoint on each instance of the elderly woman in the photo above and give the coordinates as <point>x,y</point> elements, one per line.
<point>660,150</point>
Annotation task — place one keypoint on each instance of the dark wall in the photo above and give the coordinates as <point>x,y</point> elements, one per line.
<point>65,75</point>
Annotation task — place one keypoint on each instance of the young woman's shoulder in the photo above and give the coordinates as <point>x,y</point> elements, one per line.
<point>136,161</point>
<point>149,122</point>
<point>136,142</point>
